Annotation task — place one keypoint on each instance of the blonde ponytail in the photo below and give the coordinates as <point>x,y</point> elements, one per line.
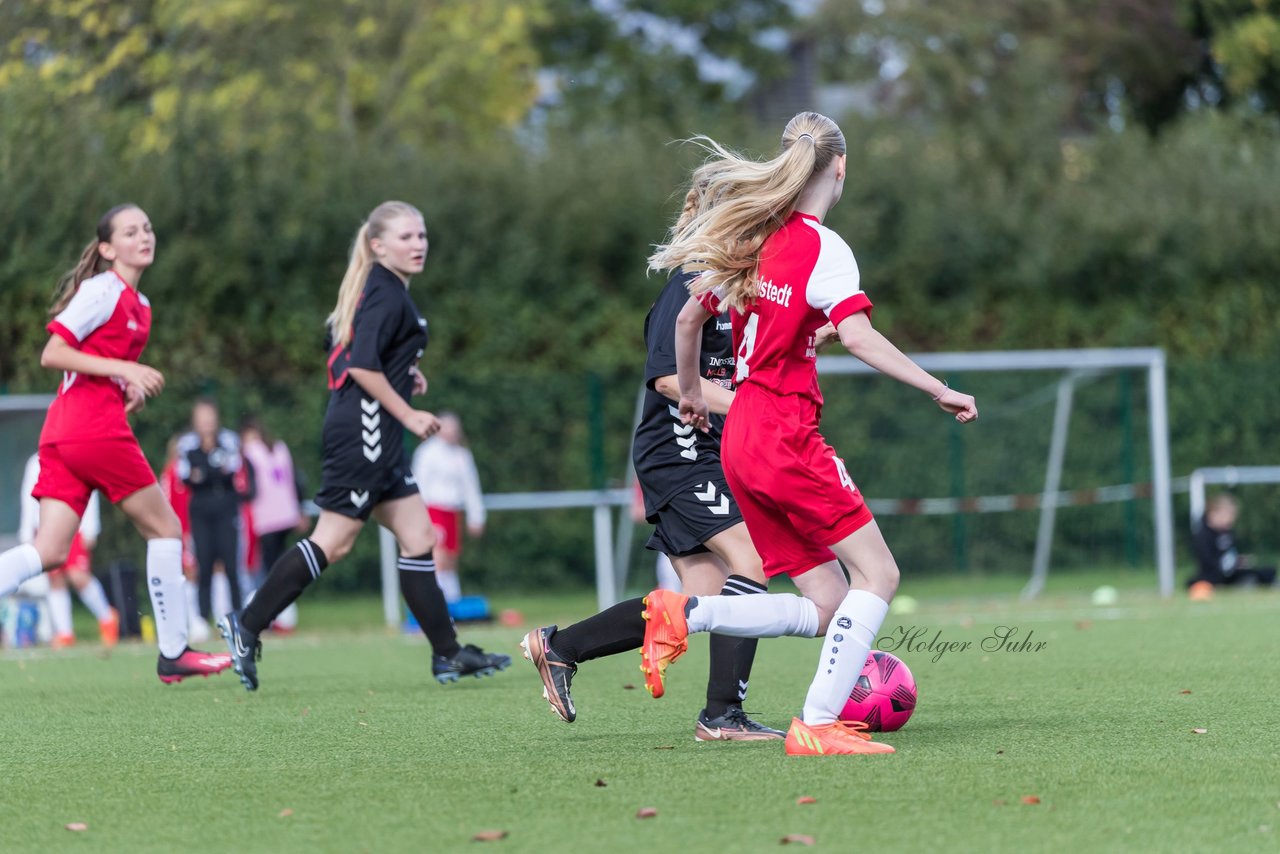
<point>740,202</point>
<point>352,286</point>
<point>362,258</point>
<point>91,262</point>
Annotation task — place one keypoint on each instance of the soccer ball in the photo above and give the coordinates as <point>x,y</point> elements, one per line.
<point>885,695</point>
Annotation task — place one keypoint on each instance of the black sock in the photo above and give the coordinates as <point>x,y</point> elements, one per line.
<point>614,630</point>
<point>731,657</point>
<point>295,569</point>
<point>426,602</point>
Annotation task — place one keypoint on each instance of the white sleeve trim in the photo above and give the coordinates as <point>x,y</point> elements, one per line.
<point>835,277</point>
<point>230,442</point>
<point>187,443</point>
<point>92,306</point>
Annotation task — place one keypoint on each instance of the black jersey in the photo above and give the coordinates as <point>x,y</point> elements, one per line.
<point>210,475</point>
<point>669,455</point>
<point>361,442</point>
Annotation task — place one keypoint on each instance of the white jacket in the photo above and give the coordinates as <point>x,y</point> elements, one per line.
<point>447,478</point>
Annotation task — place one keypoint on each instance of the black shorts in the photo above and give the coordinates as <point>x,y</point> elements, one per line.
<point>692,516</point>
<point>357,496</point>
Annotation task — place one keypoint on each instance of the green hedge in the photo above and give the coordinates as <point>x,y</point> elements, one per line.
<point>536,281</point>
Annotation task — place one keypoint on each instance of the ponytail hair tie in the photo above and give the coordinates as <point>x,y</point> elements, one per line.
<point>803,135</point>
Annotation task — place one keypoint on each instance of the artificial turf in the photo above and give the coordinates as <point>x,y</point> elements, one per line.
<point>349,746</point>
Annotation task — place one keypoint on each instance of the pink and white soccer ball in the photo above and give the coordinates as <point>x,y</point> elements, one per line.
<point>885,695</point>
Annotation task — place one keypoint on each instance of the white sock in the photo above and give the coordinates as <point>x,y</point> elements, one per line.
<point>95,599</point>
<point>168,599</point>
<point>220,595</point>
<point>17,565</point>
<point>60,610</point>
<point>764,615</point>
<point>844,653</point>
<point>667,577</point>
<point>449,586</point>
<point>288,618</point>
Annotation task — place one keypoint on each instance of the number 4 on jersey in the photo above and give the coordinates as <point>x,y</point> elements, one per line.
<point>843,474</point>
<point>746,349</point>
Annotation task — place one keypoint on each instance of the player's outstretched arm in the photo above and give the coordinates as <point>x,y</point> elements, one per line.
<point>693,407</point>
<point>419,423</point>
<point>862,340</point>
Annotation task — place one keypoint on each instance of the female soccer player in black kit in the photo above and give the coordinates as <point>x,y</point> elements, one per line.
<point>377,338</point>
<point>697,525</point>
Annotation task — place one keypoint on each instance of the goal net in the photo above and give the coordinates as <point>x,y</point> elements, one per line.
<point>1067,466</point>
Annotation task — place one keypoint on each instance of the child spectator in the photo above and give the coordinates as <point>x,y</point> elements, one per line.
<point>1218,557</point>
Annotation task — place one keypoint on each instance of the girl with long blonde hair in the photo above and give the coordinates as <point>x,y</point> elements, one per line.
<point>764,252</point>
<point>377,336</point>
<point>697,522</point>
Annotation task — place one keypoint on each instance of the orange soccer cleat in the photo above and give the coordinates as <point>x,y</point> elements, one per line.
<point>840,737</point>
<point>109,628</point>
<point>62,640</point>
<point>665,637</point>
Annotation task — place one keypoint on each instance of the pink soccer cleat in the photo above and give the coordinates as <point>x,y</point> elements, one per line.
<point>192,662</point>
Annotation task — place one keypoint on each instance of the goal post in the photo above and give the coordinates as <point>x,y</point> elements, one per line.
<point>1070,371</point>
<point>1075,366</point>
<point>21,417</point>
<point>1229,476</point>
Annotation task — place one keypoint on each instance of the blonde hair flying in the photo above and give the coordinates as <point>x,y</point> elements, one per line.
<point>344,313</point>
<point>734,203</point>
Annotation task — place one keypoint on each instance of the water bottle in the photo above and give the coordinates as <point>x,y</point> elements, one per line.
<point>27,623</point>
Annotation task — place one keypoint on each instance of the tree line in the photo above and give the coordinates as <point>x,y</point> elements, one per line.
<point>997,198</point>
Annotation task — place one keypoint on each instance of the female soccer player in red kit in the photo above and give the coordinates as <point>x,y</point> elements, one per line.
<point>768,257</point>
<point>99,329</point>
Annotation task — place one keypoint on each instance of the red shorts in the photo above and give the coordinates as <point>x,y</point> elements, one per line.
<point>71,471</point>
<point>448,525</point>
<point>77,557</point>
<point>794,492</point>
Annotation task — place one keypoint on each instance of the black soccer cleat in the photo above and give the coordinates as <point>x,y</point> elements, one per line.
<point>245,649</point>
<point>556,672</point>
<point>470,660</point>
<point>733,725</point>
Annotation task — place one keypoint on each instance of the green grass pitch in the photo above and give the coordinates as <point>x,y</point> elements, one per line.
<point>349,746</point>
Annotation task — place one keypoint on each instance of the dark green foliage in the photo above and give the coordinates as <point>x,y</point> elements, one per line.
<point>1006,221</point>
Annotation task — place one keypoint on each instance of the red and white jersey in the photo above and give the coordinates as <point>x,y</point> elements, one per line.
<point>105,318</point>
<point>806,276</point>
